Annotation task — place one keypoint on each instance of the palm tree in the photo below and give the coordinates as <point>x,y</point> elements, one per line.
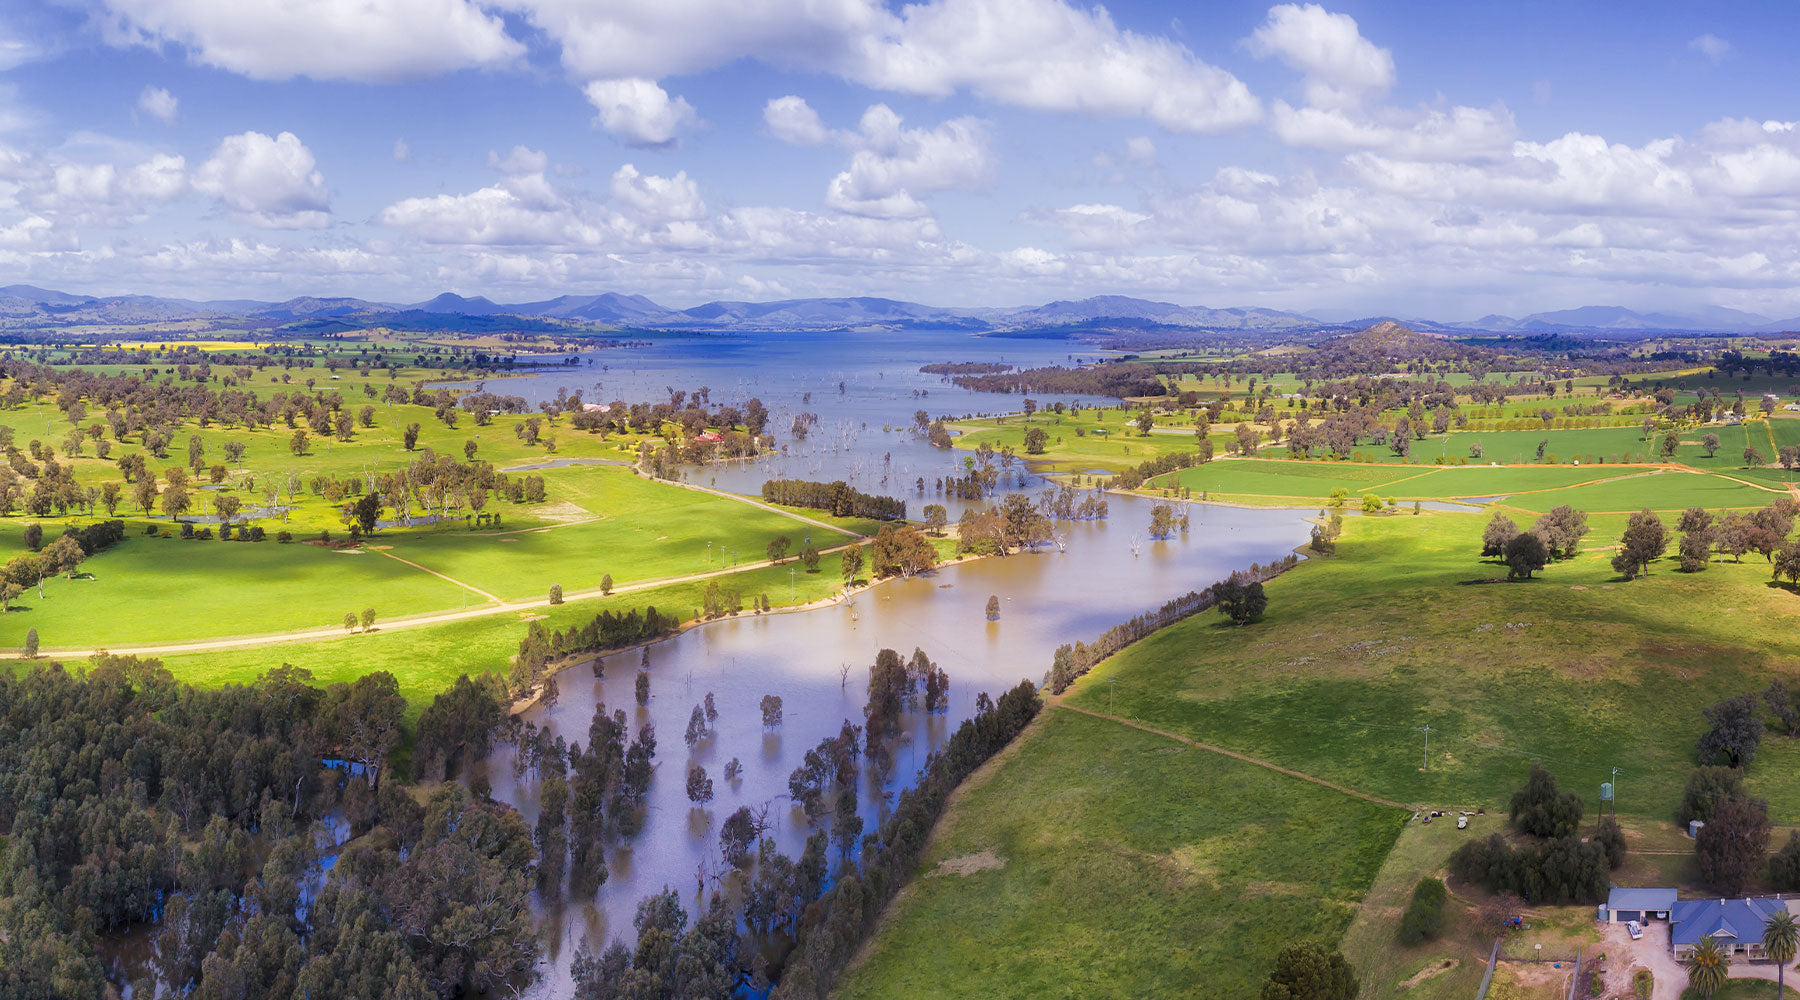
<point>1781,937</point>
<point>1707,966</point>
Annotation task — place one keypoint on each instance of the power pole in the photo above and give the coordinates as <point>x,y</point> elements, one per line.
<point>1427,731</point>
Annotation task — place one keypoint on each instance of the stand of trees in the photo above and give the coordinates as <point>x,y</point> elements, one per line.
<point>542,647</point>
<point>130,799</point>
<point>836,498</point>
<point>1555,866</point>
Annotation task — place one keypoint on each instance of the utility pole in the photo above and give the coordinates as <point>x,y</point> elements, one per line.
<point>1427,731</point>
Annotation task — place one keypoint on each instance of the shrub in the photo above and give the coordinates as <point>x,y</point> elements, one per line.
<point>1424,919</point>
<point>1706,788</point>
<point>284,537</point>
<point>1542,811</point>
<point>1784,867</point>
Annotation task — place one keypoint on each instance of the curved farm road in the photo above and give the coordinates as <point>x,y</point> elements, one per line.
<point>499,607</point>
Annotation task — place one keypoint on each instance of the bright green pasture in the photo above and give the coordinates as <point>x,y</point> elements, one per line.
<point>1283,479</point>
<point>167,590</point>
<point>1316,480</point>
<point>155,590</point>
<point>1669,490</point>
<point>1588,445</point>
<point>1128,866</point>
<point>428,659</point>
<point>1109,440</point>
<point>646,530</point>
<point>1576,668</point>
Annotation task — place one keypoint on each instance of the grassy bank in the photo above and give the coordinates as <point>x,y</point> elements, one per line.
<point>1100,861</point>
<point>1576,668</point>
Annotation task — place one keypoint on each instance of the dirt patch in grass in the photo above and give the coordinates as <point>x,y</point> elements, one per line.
<point>969,864</point>
<point>561,512</point>
<point>1430,971</point>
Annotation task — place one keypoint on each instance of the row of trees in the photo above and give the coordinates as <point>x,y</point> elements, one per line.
<point>1242,590</point>
<point>837,498</point>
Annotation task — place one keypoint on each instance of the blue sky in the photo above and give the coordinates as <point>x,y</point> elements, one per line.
<point>1418,159</point>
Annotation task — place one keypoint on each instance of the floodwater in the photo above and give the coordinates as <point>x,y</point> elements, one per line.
<point>817,661</point>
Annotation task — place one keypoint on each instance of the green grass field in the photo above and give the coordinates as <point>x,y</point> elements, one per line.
<point>1576,668</point>
<point>647,530</point>
<point>1128,866</point>
<point>168,590</point>
<point>1532,488</point>
<point>1108,440</point>
<point>1656,490</point>
<point>428,659</point>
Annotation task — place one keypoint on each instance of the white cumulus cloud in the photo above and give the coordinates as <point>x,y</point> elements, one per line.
<point>271,182</point>
<point>792,120</point>
<point>322,39</point>
<point>639,112</point>
<point>1340,66</point>
<point>650,196</point>
<point>1043,54</point>
<point>892,164</point>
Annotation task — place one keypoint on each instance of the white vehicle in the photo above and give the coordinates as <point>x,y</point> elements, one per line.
<point>1462,822</point>
<point>1635,929</point>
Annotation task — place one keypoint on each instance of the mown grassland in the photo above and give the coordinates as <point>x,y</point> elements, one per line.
<point>1128,866</point>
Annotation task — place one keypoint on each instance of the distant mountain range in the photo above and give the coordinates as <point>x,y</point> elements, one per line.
<point>24,307</point>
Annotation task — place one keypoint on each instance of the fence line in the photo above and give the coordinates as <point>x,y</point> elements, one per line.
<point>1488,977</point>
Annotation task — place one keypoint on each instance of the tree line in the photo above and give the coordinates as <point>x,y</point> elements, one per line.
<point>836,498</point>
<point>1071,661</point>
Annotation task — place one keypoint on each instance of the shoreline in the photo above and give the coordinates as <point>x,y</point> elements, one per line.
<point>844,596</point>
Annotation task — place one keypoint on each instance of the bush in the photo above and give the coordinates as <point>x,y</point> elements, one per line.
<point>1424,919</point>
<point>284,537</point>
<point>1540,810</point>
<point>1706,788</point>
<point>1559,871</point>
<point>1612,840</point>
<point>1784,867</point>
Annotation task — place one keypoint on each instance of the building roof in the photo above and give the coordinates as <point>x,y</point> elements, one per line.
<point>1657,900</point>
<point>1729,920</point>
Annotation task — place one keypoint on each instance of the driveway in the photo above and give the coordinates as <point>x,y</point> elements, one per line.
<point>1651,952</point>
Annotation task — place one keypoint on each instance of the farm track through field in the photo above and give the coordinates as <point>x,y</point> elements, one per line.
<point>430,618</point>
<point>1246,758</point>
